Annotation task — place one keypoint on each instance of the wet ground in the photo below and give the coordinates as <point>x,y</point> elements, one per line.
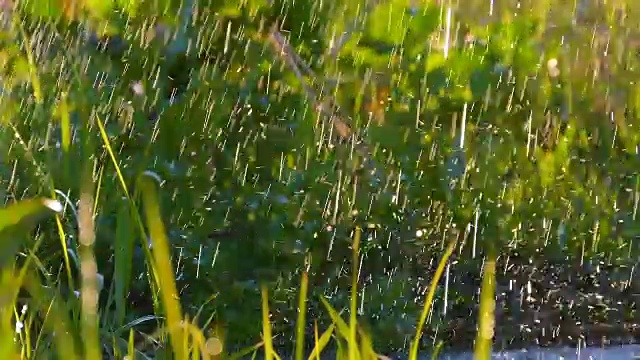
<point>549,303</point>
<point>626,352</point>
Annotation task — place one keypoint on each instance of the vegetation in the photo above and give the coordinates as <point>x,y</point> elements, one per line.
<point>194,179</point>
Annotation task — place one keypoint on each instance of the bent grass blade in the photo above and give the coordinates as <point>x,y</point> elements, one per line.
<point>162,259</point>
<point>17,219</point>
<point>413,355</point>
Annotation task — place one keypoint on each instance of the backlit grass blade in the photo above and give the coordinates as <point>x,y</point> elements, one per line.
<point>343,328</point>
<point>136,216</point>
<point>486,317</point>
<point>198,346</point>
<point>366,346</point>
<point>266,325</point>
<point>413,355</point>
<point>89,275</point>
<point>65,121</point>
<point>436,351</point>
<point>302,316</point>
<point>321,342</point>
<point>162,259</point>
<point>17,219</point>
<point>33,68</point>
<point>353,320</point>
<point>131,347</point>
<point>26,212</point>
<point>107,144</point>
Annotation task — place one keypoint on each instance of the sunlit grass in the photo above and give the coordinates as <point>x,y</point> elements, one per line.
<point>62,319</point>
<point>187,341</point>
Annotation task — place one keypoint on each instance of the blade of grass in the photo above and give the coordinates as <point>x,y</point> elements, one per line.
<point>17,219</point>
<point>65,121</point>
<point>114,161</point>
<point>486,317</point>
<point>266,325</point>
<point>154,275</point>
<point>131,348</point>
<point>413,355</point>
<point>302,316</point>
<point>436,351</point>
<point>27,212</point>
<point>316,348</point>
<point>343,328</point>
<point>33,69</point>
<point>366,347</point>
<point>162,259</point>
<point>199,343</point>
<point>89,273</point>
<point>322,342</point>
<point>354,353</point>
<point>63,242</point>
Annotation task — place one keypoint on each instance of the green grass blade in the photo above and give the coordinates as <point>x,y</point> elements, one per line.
<point>486,317</point>
<point>17,219</point>
<point>33,69</point>
<point>27,212</point>
<point>266,325</point>
<point>198,345</point>
<point>63,243</point>
<point>89,274</point>
<point>154,277</point>
<point>162,260</point>
<point>366,346</point>
<point>354,354</point>
<point>436,351</point>
<point>343,328</point>
<point>321,342</point>
<point>131,348</point>
<point>65,122</point>
<point>302,316</point>
<point>107,144</point>
<point>413,355</point>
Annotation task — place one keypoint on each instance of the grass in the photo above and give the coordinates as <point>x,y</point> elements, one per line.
<point>185,339</point>
<point>460,139</point>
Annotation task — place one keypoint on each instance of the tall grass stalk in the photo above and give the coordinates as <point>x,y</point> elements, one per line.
<point>162,261</point>
<point>89,272</point>
<point>413,354</point>
<point>266,325</point>
<point>486,317</point>
<point>302,316</point>
<point>353,320</point>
